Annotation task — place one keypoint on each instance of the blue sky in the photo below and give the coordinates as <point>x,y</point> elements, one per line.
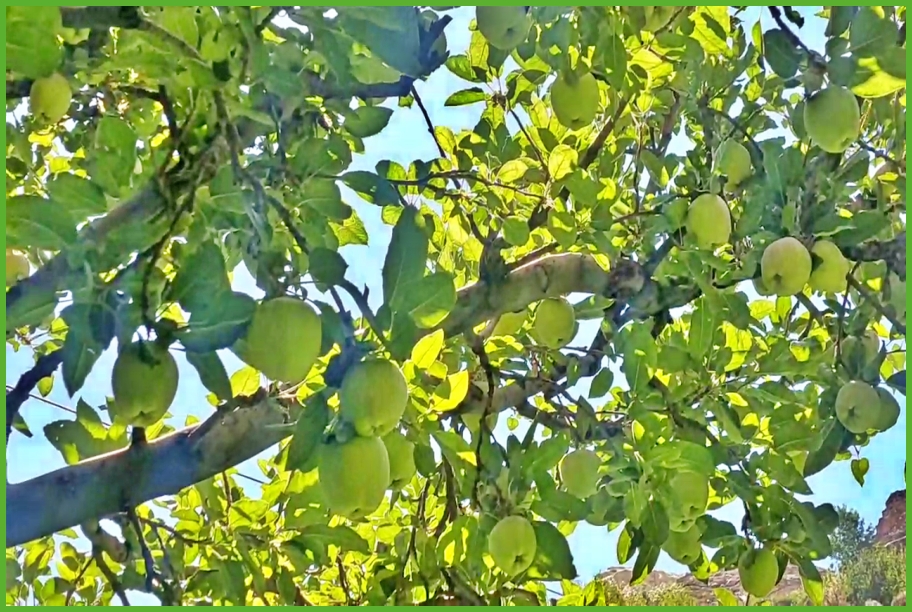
<point>404,140</point>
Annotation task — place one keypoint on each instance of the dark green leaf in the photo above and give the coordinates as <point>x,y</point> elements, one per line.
<point>654,520</point>
<point>33,222</point>
<point>644,564</point>
<point>308,435</point>
<point>80,196</point>
<point>783,57</point>
<point>327,266</point>
<point>406,258</point>
<point>218,325</point>
<point>811,580</point>
<point>466,96</point>
<point>367,121</point>
<point>553,559</point>
<point>430,299</point>
<point>32,49</point>
<point>871,34</point>
<point>212,373</point>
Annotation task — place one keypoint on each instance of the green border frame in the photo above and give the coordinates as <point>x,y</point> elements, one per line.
<point>379,3</point>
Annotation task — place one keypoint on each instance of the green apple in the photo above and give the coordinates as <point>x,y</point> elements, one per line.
<point>554,324</point>
<point>689,493</point>
<point>579,472</point>
<point>887,411</point>
<point>401,459</point>
<point>832,119</point>
<point>49,98</point>
<point>830,274</point>
<point>283,339</point>
<point>734,161</point>
<point>373,397</point>
<point>759,571</point>
<point>575,99</point>
<point>857,407</point>
<point>144,381</point>
<point>868,346</point>
<point>512,545</point>
<point>504,27</point>
<point>684,546</point>
<point>510,323</point>
<point>354,476</point>
<point>709,221</point>
<point>17,267</point>
<point>786,266</point>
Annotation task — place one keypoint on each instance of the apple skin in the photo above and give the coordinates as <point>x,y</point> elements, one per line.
<point>576,103</point>
<point>554,324</point>
<point>49,98</point>
<point>830,274</point>
<point>760,287</point>
<point>689,493</point>
<point>857,407</point>
<point>283,339</point>
<point>512,545</point>
<point>17,267</point>
<point>401,459</point>
<point>354,476</point>
<point>786,266</point>
<point>832,119</point>
<point>734,161</point>
<point>709,221</point>
<point>887,412</point>
<point>579,473</point>
<point>143,390</point>
<point>684,546</point>
<point>759,571</point>
<point>373,397</point>
<point>504,27</point>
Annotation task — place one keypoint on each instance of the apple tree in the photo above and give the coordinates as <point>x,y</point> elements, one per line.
<point>662,275</point>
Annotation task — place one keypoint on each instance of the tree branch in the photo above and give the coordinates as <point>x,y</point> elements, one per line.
<point>44,367</point>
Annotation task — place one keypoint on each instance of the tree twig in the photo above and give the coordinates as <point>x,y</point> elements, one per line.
<point>45,366</point>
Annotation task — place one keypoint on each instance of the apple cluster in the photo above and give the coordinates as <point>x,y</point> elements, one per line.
<point>356,473</point>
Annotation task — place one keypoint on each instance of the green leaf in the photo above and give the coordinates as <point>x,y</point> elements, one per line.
<point>840,19</point>
<point>601,383</point>
<point>726,597</point>
<point>307,435</point>
<point>450,393</point>
<point>327,266</point>
<point>466,96</point>
<point>32,49</point>
<point>703,325</point>
<point>317,538</point>
<point>220,324</point>
<point>406,258</point>
<point>80,196</point>
<point>871,33</point>
<point>562,161</point>
<point>875,77</point>
<point>817,460</point>
<point>625,545</point>
<point>367,121</point>
<point>33,222</point>
<point>203,275</point>
<point>654,520</point>
<point>811,580</point>
<point>516,231</point>
<point>860,469</point>
<point>85,437</point>
<point>212,373</point>
<point>430,300</point>
<point>782,56</point>
<point>426,351</point>
<point>644,564</point>
<point>553,559</point>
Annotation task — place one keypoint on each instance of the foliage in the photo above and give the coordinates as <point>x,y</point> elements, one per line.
<point>852,535</point>
<point>200,141</point>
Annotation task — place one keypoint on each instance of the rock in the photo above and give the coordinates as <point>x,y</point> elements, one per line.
<point>891,529</point>
<point>871,602</point>
<point>899,600</point>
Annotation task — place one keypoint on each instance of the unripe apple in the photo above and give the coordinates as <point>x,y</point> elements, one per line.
<point>512,545</point>
<point>401,458</point>
<point>786,266</point>
<point>555,323</point>
<point>759,571</point>
<point>504,27</point>
<point>17,267</point>
<point>575,100</point>
<point>354,476</point>
<point>887,411</point>
<point>579,472</point>
<point>144,381</point>
<point>858,407</point>
<point>830,274</point>
<point>283,339</point>
<point>709,221</point>
<point>373,397</point>
<point>734,161</point>
<point>49,98</point>
<point>832,119</point>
